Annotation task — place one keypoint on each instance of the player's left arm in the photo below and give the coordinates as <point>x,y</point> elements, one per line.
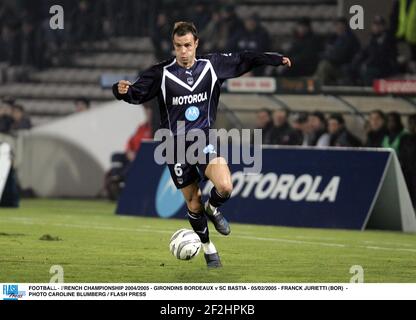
<point>232,65</point>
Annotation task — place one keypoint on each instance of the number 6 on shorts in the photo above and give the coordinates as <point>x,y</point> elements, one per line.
<point>178,170</point>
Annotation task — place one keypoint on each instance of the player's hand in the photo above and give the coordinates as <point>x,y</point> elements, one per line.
<point>123,86</point>
<point>286,62</point>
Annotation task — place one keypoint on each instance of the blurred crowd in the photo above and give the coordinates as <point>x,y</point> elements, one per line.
<point>316,130</point>
<point>340,58</point>
<point>13,117</point>
<point>219,26</point>
<point>27,39</point>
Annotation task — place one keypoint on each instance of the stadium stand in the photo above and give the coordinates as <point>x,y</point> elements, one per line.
<point>49,92</point>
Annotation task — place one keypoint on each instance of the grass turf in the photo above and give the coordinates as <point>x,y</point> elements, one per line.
<point>92,244</point>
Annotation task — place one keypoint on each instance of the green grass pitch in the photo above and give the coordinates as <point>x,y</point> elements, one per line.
<point>95,245</point>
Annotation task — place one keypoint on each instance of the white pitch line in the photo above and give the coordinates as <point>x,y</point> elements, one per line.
<point>147,229</point>
<point>31,221</point>
<point>83,226</point>
<point>395,249</point>
<point>389,243</point>
<point>292,241</point>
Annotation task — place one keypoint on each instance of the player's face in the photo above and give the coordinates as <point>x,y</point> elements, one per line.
<point>185,49</point>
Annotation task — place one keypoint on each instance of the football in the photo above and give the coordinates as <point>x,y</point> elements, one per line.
<point>185,244</point>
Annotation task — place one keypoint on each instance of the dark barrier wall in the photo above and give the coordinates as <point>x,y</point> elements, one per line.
<point>332,188</point>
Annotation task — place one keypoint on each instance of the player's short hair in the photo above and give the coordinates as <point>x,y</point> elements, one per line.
<point>182,28</point>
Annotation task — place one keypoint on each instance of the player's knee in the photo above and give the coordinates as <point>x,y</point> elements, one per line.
<point>225,189</point>
<point>194,203</point>
<point>195,206</point>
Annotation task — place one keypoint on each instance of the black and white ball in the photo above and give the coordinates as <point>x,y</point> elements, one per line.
<point>185,244</point>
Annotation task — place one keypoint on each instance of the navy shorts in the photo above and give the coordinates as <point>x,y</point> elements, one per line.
<point>184,173</point>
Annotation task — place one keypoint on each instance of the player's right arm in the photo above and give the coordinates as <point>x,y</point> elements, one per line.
<point>145,88</point>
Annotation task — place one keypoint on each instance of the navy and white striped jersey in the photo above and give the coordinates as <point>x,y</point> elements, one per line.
<point>191,95</point>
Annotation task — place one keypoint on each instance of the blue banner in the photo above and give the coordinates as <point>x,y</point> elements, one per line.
<point>305,187</point>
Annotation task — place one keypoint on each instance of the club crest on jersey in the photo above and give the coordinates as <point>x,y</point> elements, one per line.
<point>192,113</point>
<point>190,81</point>
<point>209,149</point>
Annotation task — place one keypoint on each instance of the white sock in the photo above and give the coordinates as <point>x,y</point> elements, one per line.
<point>209,248</point>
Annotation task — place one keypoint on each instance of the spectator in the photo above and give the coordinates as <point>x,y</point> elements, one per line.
<point>201,14</point>
<point>395,132</point>
<point>337,54</point>
<point>7,12</point>
<point>283,133</point>
<point>116,176</point>
<point>233,27</point>
<point>253,37</point>
<point>339,135</point>
<point>403,22</point>
<point>82,23</point>
<point>9,198</point>
<point>319,136</point>
<point>214,35</point>
<point>161,37</point>
<point>30,44</point>
<point>265,123</point>
<point>303,51</point>
<point>222,31</point>
<point>9,43</point>
<point>377,129</point>
<point>407,156</point>
<point>21,120</point>
<point>302,125</point>
<point>6,119</point>
<point>82,104</point>
<point>143,132</point>
<point>378,58</point>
